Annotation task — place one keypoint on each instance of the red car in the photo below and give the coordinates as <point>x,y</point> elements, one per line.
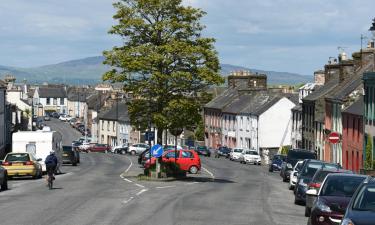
<point>187,160</point>
<point>99,148</point>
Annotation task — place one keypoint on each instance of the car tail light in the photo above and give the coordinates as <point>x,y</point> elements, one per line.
<point>28,163</point>
<point>314,185</point>
<point>6,163</point>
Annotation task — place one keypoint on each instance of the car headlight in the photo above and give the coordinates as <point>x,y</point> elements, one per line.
<point>347,222</point>
<point>323,207</point>
<point>289,166</point>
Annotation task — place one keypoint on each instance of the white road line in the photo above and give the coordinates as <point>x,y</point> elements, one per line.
<point>191,183</point>
<point>171,186</point>
<point>212,175</point>
<point>122,177</point>
<point>128,200</point>
<point>128,180</point>
<point>141,186</point>
<point>131,163</point>
<point>141,191</point>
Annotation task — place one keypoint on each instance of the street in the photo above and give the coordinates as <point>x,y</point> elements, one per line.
<point>99,191</point>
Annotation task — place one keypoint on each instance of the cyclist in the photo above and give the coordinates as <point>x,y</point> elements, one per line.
<point>51,164</point>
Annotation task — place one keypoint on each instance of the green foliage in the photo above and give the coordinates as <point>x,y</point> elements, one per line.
<point>285,149</point>
<point>164,61</point>
<point>369,160</point>
<point>199,132</point>
<point>170,168</point>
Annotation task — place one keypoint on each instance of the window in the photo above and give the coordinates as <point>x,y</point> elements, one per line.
<point>172,154</point>
<point>61,101</point>
<point>186,154</point>
<point>108,125</point>
<point>102,125</point>
<point>48,101</point>
<point>113,125</point>
<point>55,101</point>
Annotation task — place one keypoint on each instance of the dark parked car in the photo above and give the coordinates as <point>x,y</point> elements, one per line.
<point>143,157</point>
<point>361,209</point>
<point>55,115</point>
<point>70,155</point>
<point>293,156</point>
<point>203,150</point>
<point>309,167</point>
<point>315,184</point>
<point>223,151</point>
<point>276,163</point>
<point>334,197</point>
<point>99,148</point>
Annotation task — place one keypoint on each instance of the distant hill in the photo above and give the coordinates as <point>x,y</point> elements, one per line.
<point>89,71</point>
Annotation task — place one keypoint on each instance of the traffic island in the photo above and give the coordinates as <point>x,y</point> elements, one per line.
<point>163,171</point>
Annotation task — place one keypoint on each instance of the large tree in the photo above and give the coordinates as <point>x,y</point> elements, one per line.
<point>164,61</point>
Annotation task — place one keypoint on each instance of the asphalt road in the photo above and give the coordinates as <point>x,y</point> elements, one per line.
<point>99,192</point>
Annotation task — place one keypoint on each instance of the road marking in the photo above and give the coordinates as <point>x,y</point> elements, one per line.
<point>212,175</point>
<point>128,180</point>
<point>131,163</point>
<point>171,186</point>
<point>141,191</point>
<point>128,200</point>
<point>141,186</point>
<point>122,177</point>
<point>191,183</point>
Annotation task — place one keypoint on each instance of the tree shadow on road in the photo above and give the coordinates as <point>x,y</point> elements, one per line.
<point>207,180</point>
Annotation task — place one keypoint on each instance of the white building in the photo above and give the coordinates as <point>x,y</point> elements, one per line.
<point>49,99</point>
<point>2,118</point>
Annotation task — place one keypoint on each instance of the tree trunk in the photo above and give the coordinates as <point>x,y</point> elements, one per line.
<point>160,136</point>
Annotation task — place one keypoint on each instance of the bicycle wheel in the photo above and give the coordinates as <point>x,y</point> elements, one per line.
<point>50,182</point>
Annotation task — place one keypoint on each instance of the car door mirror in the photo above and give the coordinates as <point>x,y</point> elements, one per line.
<point>38,160</point>
<point>312,192</point>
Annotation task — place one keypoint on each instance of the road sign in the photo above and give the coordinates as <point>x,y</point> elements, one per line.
<point>334,137</point>
<point>157,151</point>
<point>150,135</point>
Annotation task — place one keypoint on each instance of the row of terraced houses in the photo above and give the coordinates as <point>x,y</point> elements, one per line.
<point>341,99</point>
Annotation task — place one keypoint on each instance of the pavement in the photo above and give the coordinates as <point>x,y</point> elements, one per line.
<point>103,190</point>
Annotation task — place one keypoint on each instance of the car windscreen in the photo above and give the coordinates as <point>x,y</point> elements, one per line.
<point>343,186</point>
<point>365,200</point>
<point>278,157</point>
<point>67,148</point>
<point>320,176</point>
<point>311,168</point>
<point>238,150</point>
<point>301,155</point>
<point>299,166</point>
<point>22,157</point>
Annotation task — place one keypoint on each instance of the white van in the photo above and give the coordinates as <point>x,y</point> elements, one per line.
<point>39,143</point>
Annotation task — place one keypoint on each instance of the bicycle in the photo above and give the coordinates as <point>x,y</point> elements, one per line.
<point>50,178</point>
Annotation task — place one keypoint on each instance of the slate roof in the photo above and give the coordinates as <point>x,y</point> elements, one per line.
<point>93,101</point>
<point>322,91</point>
<point>222,100</point>
<point>356,108</point>
<point>268,104</point>
<point>111,114</point>
<point>346,87</point>
<point>297,108</point>
<point>52,92</point>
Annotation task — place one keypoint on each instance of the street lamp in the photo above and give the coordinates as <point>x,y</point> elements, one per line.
<point>372,29</point>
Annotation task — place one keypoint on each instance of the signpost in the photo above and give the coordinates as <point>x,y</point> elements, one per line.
<point>150,135</point>
<point>334,137</point>
<point>157,151</point>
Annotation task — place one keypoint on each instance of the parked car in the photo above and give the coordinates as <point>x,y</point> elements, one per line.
<point>70,155</point>
<point>22,164</point>
<point>72,121</point>
<point>309,167</point>
<point>172,147</point>
<point>203,150</point>
<point>251,156</point>
<point>143,157</point>
<point>236,154</point>
<point>85,146</point>
<point>47,118</point>
<point>3,179</point>
<point>293,156</point>
<point>294,175</point>
<point>223,151</point>
<point>361,208</point>
<point>188,160</point>
<point>99,148</point>
<point>315,184</point>
<point>275,164</point>
<point>120,149</point>
<point>137,149</point>
<point>65,118</point>
<point>55,115</point>
<point>334,197</point>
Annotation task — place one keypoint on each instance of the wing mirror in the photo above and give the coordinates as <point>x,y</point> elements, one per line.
<point>312,192</point>
<point>38,160</point>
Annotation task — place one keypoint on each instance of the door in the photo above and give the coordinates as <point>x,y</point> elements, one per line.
<point>170,157</point>
<point>186,160</point>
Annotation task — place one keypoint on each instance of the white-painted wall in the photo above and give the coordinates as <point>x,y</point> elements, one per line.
<point>274,123</point>
<point>247,130</point>
<point>14,98</point>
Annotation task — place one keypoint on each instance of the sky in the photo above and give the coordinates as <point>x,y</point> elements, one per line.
<point>279,35</point>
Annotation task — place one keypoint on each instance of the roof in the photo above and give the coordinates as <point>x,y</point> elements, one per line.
<point>3,84</point>
<point>52,92</point>
<point>264,107</point>
<point>93,101</point>
<point>115,113</point>
<point>297,108</point>
<point>322,91</point>
<point>356,108</point>
<point>346,87</point>
<point>222,100</point>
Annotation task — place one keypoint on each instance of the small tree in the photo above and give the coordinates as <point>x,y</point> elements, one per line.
<point>368,162</point>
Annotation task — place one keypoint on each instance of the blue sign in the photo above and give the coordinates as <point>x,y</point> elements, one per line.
<point>157,151</point>
<point>150,135</point>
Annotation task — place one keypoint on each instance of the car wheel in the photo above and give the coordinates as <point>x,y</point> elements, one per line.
<point>284,179</point>
<point>307,211</point>
<point>132,152</point>
<point>193,170</point>
<point>290,187</point>
<point>4,185</point>
<point>123,152</point>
